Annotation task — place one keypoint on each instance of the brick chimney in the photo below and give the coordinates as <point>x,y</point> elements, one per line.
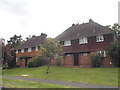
<point>43,37</point>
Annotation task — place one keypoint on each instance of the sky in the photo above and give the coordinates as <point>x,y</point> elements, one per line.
<point>33,17</point>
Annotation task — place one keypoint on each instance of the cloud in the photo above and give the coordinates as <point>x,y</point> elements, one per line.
<point>17,7</point>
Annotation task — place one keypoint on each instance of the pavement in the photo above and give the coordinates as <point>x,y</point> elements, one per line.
<point>57,82</point>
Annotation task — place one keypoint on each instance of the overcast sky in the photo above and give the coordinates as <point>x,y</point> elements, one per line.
<point>33,17</point>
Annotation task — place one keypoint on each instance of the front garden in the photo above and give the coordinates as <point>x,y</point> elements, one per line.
<point>103,76</point>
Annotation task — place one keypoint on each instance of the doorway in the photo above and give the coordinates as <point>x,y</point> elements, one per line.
<point>26,60</point>
<point>76,59</point>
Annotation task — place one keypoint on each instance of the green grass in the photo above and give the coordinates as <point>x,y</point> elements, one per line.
<point>29,84</point>
<point>104,76</point>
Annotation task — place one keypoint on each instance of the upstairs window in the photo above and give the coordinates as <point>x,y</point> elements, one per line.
<point>22,50</point>
<point>100,38</point>
<point>67,43</point>
<point>101,53</point>
<point>29,49</point>
<point>16,51</point>
<point>83,40</point>
<point>36,48</point>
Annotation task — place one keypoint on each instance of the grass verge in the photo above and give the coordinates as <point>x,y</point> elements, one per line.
<point>29,84</point>
<point>104,76</point>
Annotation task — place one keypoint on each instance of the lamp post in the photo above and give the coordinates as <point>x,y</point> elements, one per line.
<point>1,51</point>
<point>1,58</point>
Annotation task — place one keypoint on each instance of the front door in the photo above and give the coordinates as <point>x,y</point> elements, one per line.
<point>26,62</point>
<point>76,59</point>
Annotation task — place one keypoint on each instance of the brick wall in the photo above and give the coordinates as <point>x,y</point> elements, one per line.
<point>68,60</point>
<point>92,45</point>
<point>29,54</point>
<point>84,60</point>
<point>20,63</point>
<point>107,62</point>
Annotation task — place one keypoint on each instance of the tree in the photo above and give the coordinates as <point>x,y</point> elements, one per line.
<point>15,41</point>
<point>9,57</point>
<point>51,50</point>
<point>114,48</point>
<point>29,37</point>
<point>9,53</point>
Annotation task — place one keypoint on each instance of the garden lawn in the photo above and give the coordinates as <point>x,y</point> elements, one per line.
<point>104,76</point>
<point>29,84</point>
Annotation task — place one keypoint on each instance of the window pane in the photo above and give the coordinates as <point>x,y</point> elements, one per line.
<point>83,40</point>
<point>36,48</point>
<point>29,49</point>
<point>67,43</point>
<point>22,51</point>
<point>99,38</point>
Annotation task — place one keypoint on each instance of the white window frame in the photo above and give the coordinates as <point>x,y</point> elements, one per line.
<point>16,51</point>
<point>36,49</point>
<point>22,50</point>
<point>83,40</point>
<point>102,53</point>
<point>68,55</point>
<point>29,49</point>
<point>100,38</point>
<point>85,54</point>
<point>16,59</point>
<point>67,43</point>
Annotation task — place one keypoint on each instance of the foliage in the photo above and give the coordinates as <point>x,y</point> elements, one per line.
<point>9,56</point>
<point>96,61</point>
<point>9,53</point>
<point>114,48</point>
<point>115,26</point>
<point>114,51</point>
<point>12,62</point>
<point>29,37</point>
<point>104,76</point>
<point>35,62</point>
<point>30,63</point>
<point>51,50</point>
<point>15,41</point>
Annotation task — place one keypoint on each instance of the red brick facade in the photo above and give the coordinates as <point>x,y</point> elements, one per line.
<point>92,45</point>
<point>23,58</point>
<point>85,51</point>
<point>85,60</point>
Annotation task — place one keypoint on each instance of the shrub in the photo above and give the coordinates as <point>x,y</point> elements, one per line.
<point>96,61</point>
<point>12,63</point>
<point>35,62</point>
<point>30,63</point>
<point>44,61</point>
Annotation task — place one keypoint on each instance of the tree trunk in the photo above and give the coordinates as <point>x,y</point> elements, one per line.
<point>48,66</point>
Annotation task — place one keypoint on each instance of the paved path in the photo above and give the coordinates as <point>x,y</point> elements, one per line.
<point>66,83</point>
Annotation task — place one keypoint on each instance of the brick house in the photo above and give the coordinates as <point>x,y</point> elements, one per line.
<point>29,49</point>
<point>81,41</point>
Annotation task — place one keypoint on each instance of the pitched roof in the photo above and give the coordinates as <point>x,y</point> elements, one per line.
<point>32,42</point>
<point>83,30</point>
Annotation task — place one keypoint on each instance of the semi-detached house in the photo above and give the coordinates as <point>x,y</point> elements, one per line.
<point>81,41</point>
<point>29,49</point>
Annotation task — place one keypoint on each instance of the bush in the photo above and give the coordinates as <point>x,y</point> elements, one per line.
<point>35,62</point>
<point>30,63</point>
<point>12,63</point>
<point>96,61</point>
